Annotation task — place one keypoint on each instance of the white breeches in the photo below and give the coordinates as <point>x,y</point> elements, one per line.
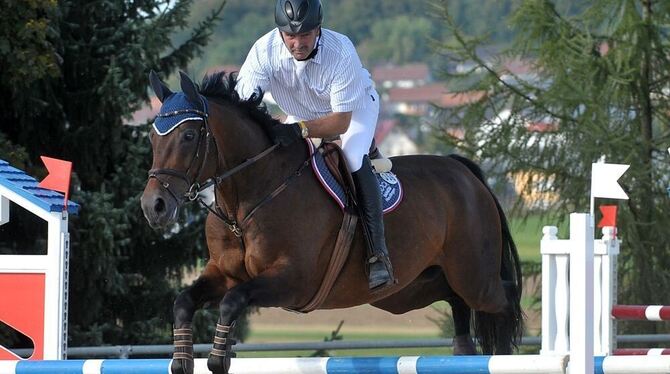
<point>357,139</point>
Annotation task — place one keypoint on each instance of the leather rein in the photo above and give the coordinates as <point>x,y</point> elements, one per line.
<point>195,188</point>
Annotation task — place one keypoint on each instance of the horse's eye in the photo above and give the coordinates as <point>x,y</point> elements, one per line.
<point>189,135</point>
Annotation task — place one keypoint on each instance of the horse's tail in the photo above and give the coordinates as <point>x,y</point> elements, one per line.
<point>500,333</point>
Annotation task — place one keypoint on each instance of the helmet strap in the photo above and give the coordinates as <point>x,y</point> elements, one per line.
<point>316,47</point>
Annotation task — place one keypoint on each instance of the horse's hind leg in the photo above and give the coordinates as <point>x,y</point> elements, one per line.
<point>498,333</point>
<point>463,344</point>
<point>192,298</point>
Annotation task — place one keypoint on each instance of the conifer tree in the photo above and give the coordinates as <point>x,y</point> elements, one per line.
<point>71,72</point>
<point>597,88</point>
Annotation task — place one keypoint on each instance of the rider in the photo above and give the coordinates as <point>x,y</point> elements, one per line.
<point>317,79</point>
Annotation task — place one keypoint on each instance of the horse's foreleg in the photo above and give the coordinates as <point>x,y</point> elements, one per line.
<point>187,302</point>
<point>260,292</point>
<point>231,306</point>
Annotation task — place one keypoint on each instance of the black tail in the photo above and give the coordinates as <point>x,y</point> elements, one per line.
<point>500,333</point>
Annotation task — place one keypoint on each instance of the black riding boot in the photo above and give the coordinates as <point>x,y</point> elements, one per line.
<point>370,203</point>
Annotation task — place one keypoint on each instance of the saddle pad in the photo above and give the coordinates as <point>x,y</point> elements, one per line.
<point>389,185</point>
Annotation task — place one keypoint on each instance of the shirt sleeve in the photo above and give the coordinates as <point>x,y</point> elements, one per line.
<point>348,89</point>
<point>252,76</point>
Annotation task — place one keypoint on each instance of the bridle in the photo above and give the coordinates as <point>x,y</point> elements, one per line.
<point>195,188</point>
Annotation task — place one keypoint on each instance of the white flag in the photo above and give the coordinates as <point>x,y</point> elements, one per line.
<point>604,180</point>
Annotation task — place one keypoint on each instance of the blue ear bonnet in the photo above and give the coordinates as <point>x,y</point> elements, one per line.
<point>176,110</point>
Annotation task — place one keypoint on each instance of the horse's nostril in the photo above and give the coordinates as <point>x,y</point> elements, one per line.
<point>159,205</point>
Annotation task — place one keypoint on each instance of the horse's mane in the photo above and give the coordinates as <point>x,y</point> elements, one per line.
<point>221,86</point>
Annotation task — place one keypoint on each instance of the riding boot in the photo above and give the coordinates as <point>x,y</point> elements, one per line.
<point>374,151</point>
<point>370,208</point>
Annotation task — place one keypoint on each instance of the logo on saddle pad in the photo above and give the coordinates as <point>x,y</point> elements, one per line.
<point>389,185</point>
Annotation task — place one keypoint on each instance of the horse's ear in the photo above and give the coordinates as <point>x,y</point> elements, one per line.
<point>162,91</point>
<point>190,90</point>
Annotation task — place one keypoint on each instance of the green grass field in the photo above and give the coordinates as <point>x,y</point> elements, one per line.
<point>315,335</point>
<point>527,235</point>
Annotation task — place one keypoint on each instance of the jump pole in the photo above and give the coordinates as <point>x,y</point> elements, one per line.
<point>517,364</point>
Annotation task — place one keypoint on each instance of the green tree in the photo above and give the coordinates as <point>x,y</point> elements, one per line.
<point>599,79</point>
<point>398,40</point>
<point>70,73</point>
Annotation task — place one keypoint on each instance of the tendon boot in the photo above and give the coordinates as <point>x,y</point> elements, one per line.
<point>370,208</point>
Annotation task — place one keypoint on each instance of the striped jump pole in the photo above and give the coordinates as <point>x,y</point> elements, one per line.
<point>641,312</point>
<point>632,364</point>
<point>516,364</point>
<point>641,352</point>
<point>519,364</point>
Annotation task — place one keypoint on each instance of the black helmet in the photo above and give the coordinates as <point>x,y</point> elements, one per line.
<point>298,16</point>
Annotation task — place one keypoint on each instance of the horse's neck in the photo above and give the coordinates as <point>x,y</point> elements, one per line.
<point>239,139</point>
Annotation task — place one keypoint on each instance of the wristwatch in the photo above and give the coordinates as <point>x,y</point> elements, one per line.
<point>304,131</point>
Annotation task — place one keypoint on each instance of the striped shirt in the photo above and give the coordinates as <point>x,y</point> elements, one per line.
<point>332,81</point>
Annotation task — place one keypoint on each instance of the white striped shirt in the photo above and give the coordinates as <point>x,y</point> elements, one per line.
<point>332,81</point>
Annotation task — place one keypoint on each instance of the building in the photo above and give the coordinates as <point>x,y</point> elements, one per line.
<point>405,76</point>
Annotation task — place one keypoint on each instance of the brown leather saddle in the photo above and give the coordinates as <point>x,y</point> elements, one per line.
<point>334,158</point>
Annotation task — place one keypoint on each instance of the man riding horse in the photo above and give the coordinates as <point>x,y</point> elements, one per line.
<point>317,79</point>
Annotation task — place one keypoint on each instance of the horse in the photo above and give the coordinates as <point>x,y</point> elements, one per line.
<point>271,231</point>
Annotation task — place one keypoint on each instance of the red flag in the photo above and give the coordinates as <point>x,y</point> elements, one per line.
<point>609,215</point>
<point>58,178</point>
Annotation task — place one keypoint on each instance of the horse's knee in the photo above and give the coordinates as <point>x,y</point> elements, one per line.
<point>183,307</point>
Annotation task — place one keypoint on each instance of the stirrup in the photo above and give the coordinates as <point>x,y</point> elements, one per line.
<point>384,261</point>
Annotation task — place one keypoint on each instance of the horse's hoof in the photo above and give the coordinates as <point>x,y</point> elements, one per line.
<point>218,364</point>
<point>463,345</point>
<point>181,366</point>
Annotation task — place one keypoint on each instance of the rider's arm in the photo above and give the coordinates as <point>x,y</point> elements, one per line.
<point>329,126</point>
<point>346,93</point>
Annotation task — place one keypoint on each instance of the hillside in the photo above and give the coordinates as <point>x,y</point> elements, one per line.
<point>385,31</point>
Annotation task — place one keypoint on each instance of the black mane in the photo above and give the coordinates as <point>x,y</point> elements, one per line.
<point>221,86</point>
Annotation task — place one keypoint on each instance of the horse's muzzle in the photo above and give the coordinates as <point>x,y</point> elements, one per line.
<point>160,209</point>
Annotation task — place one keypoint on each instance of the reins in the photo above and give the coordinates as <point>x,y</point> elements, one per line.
<point>194,188</point>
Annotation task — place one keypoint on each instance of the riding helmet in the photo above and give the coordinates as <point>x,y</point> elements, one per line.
<point>298,16</point>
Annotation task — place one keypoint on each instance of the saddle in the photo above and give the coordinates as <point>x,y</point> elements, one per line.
<point>331,170</point>
<point>334,157</point>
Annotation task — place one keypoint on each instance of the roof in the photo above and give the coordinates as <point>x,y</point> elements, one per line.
<point>404,72</point>
<point>433,93</point>
<point>147,112</point>
<point>27,187</point>
<point>383,128</point>
<point>430,93</point>
<point>518,66</point>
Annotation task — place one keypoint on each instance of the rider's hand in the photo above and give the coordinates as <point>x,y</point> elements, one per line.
<point>286,134</point>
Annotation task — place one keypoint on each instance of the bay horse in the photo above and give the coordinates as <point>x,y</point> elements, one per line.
<point>272,230</point>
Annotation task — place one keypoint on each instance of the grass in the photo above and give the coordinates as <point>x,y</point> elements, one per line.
<point>353,353</point>
<point>527,237</point>
<point>286,334</point>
